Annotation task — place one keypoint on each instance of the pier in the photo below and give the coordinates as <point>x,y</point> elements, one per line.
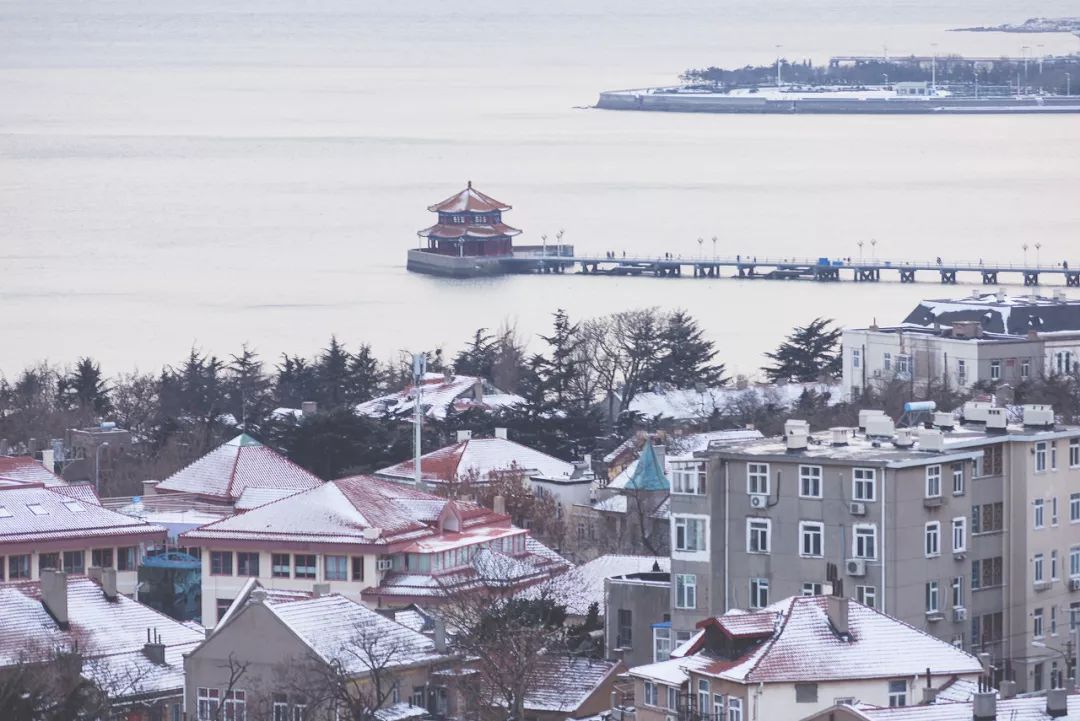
<point>826,270</point>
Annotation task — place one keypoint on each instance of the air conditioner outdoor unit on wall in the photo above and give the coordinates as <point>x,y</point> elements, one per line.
<point>384,564</point>
<point>857,509</point>
<point>856,567</point>
<point>959,614</point>
<point>759,500</point>
<point>1074,584</point>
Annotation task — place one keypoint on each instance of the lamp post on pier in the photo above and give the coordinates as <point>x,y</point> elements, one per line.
<point>1038,255</point>
<point>714,247</point>
<point>873,248</point>
<point>700,247</point>
<point>1025,247</point>
<point>860,244</point>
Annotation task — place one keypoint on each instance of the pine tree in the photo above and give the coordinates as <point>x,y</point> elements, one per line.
<point>809,353</point>
<point>295,383</point>
<point>687,357</point>
<point>247,389</point>
<point>84,389</point>
<point>558,371</point>
<point>365,377</point>
<point>477,358</point>
<point>332,374</point>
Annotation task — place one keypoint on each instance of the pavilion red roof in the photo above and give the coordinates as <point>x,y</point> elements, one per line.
<point>468,201</point>
<point>445,230</point>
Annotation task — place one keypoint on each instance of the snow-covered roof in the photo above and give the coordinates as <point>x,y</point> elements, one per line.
<point>402,711</point>
<point>34,514</point>
<point>253,497</point>
<point>879,646</point>
<point>1015,709</point>
<point>226,472</point>
<point>583,585</point>
<point>478,231</point>
<point>672,672</point>
<point>688,403</point>
<point>28,470</point>
<point>441,394</point>
<point>480,458</point>
<point>110,635</point>
<point>564,683</point>
<point>468,200</point>
<point>679,449</point>
<point>1011,315</point>
<point>340,511</point>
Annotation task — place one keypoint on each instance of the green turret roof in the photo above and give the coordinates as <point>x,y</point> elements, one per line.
<point>649,475</point>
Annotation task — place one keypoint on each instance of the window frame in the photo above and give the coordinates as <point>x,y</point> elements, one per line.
<point>221,563</point>
<point>869,482</point>
<point>933,481</point>
<point>757,477</point>
<point>959,527</point>
<point>806,473</point>
<point>857,537</point>
<point>244,563</point>
<point>808,529</point>
<point>959,482</point>
<point>932,539</point>
<point>341,572</point>
<point>758,535</point>
<point>759,587</point>
<point>686,591</point>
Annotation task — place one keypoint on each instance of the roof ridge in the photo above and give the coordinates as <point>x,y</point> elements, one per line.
<point>232,474</point>
<point>777,633</point>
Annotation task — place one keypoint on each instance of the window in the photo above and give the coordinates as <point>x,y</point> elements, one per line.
<point>1053,455</point>
<point>688,478</point>
<point>718,706</point>
<point>1040,456</point>
<point>1037,676</point>
<point>1074,453</point>
<point>959,534</point>
<point>280,707</point>
<point>865,541</point>
<point>903,366</point>
<point>864,484</point>
<point>991,463</point>
<point>207,700</point>
<point>856,358</point>
<point>734,709</point>
<point>18,567</point>
<point>661,643</point>
<point>1053,620</point>
<point>235,706</point>
<point>990,517</point>
<point>759,592</point>
<point>1074,507</point>
<point>1025,369</point>
<point>101,558</point>
<point>690,534</point>
<point>703,695</point>
<point>304,565</point>
<point>932,539</point>
<point>933,481</point>
<point>1074,615</point>
<point>685,590</point>
<point>961,372</point>
<point>1074,562</point>
<point>757,535</point>
<point>337,568</point>
<point>932,600</point>
<point>811,588</point>
<point>958,479</point>
<point>958,592</point>
<point>995,370</point>
<point>126,558</point>
<point>1037,623</point>
<point>49,560</point>
<point>810,481</point>
<point>806,693</point>
<point>866,595</point>
<point>672,698</point>
<point>1054,565</point>
<point>279,565</point>
<point>222,605</point>
<point>358,568</point>
<point>651,697</point>
<point>1038,571</point>
<point>1053,511</point>
<point>986,573</point>
<point>625,636</point>
<point>886,362</point>
<point>757,478</point>
<point>221,563</point>
<point>1038,520</point>
<point>74,561</point>
<point>897,693</point>
<point>37,509</point>
<point>247,564</point>
<point>811,534</point>
<point>299,709</point>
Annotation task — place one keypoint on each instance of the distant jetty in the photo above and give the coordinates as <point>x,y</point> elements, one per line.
<point>1031,25</point>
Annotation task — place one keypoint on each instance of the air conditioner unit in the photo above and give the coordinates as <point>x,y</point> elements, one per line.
<point>856,567</point>
<point>857,509</point>
<point>384,564</point>
<point>759,500</point>
<point>959,614</point>
<point>1074,584</point>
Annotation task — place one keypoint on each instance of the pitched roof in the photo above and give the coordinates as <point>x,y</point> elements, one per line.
<point>441,394</point>
<point>227,471</point>
<point>803,630</point>
<point>583,585</point>
<point>1015,709</point>
<point>648,474</point>
<point>1014,315</point>
<point>110,634</point>
<point>28,470</point>
<point>470,230</point>
<point>32,513</point>
<point>468,200</point>
<point>482,456</point>
<point>338,512</point>
<point>564,683</point>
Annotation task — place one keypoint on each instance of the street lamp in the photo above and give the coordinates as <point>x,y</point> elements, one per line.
<point>543,250</point>
<point>700,246</point>
<point>860,244</point>
<point>873,248</point>
<point>778,65</point>
<point>1038,256</point>
<point>1025,247</point>
<point>558,241</point>
<point>97,467</point>
<point>933,70</point>
<point>714,247</point>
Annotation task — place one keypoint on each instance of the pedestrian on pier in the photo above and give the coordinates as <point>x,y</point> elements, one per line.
<point>1065,264</point>
<point>738,258</point>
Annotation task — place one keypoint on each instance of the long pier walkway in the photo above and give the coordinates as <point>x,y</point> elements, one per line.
<point>817,269</point>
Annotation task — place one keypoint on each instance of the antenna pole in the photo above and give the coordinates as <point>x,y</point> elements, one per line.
<point>419,368</point>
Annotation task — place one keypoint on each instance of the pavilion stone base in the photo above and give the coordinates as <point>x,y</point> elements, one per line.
<point>452,266</point>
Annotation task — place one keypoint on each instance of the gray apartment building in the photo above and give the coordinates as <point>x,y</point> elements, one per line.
<point>990,338</point>
<point>969,529</point>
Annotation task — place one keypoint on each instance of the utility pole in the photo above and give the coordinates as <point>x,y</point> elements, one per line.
<point>933,70</point>
<point>419,361</point>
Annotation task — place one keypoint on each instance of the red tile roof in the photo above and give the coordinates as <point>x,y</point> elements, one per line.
<point>34,514</point>
<point>482,456</point>
<point>468,201</point>
<point>470,230</point>
<point>226,472</point>
<point>26,469</point>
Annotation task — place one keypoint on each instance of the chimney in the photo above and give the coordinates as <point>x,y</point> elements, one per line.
<point>54,595</point>
<point>258,595</point>
<point>149,488</point>
<point>154,648</point>
<point>837,610</point>
<point>440,635</point>
<point>1008,688</point>
<point>463,436</point>
<point>94,572</point>
<point>500,433</point>
<point>984,706</point>
<point>499,505</point>
<point>1057,703</point>
<point>108,583</point>
<point>320,589</point>
<point>447,376</point>
<point>929,695</point>
<point>308,408</point>
<point>478,390</point>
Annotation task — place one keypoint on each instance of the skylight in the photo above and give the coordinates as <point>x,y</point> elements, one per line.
<point>37,509</point>
<point>74,506</point>
<point>5,513</point>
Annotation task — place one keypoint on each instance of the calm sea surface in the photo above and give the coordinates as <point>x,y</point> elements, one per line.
<point>195,172</point>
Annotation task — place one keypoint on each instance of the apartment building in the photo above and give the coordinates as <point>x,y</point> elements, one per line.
<point>381,542</point>
<point>967,530</point>
<point>986,338</point>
